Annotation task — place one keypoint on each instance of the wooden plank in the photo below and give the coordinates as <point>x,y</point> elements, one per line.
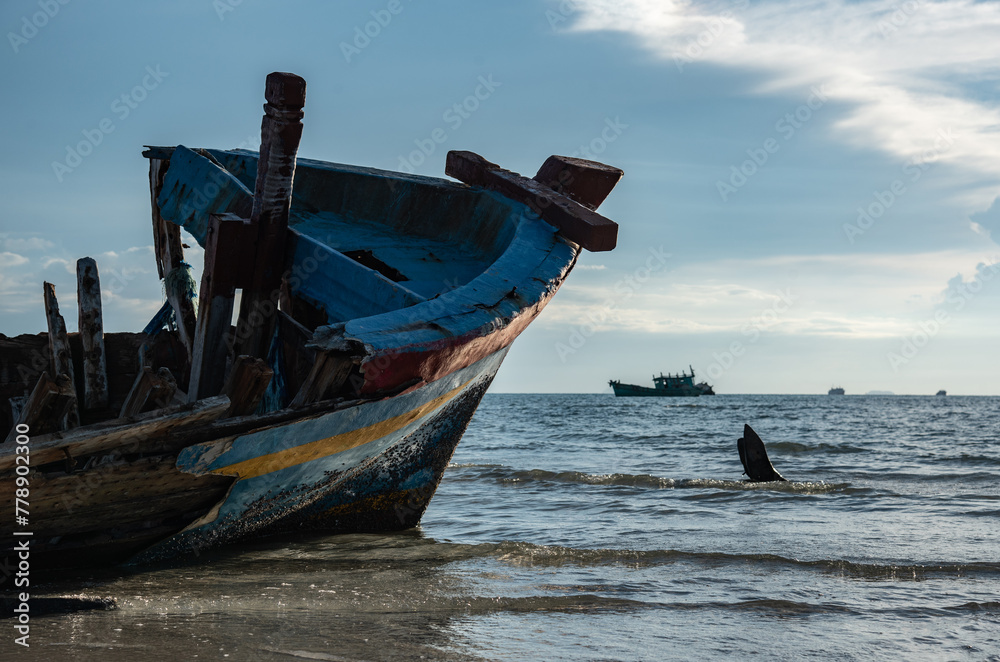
<point>248,380</point>
<point>587,182</point>
<point>575,221</point>
<point>151,390</point>
<point>169,258</point>
<point>59,350</point>
<point>91,319</point>
<point>281,130</point>
<point>46,407</point>
<point>117,491</point>
<point>329,373</point>
<point>104,437</point>
<point>225,257</point>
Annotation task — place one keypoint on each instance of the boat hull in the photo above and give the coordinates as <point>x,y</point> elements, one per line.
<point>631,390</point>
<point>372,467</point>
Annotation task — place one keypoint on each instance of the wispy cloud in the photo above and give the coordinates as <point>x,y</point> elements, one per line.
<point>848,295</point>
<point>906,70</point>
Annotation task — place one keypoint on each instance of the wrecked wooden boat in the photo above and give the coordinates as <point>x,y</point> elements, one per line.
<point>347,324</point>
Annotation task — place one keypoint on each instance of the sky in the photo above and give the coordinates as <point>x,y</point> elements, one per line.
<point>810,190</point>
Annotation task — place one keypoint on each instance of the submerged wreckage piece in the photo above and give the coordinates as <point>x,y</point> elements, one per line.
<point>372,310</point>
<point>753,455</point>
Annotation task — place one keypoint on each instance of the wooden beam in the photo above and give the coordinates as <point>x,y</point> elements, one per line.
<point>248,380</point>
<point>587,182</point>
<point>170,257</point>
<point>328,373</point>
<point>151,390</point>
<point>281,130</point>
<point>47,405</point>
<point>59,350</point>
<point>95,369</point>
<point>225,257</point>
<point>575,221</point>
<point>103,437</point>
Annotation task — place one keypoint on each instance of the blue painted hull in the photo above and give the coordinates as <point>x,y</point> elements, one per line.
<point>381,484</point>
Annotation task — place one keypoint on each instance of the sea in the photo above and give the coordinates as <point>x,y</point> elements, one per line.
<point>589,527</point>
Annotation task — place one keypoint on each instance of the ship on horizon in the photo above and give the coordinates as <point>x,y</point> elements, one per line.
<point>665,386</point>
<point>836,390</point>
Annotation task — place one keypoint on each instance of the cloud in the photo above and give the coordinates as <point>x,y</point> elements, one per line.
<point>27,244</point>
<point>988,220</point>
<point>130,289</point>
<point>8,260</point>
<point>852,295</point>
<point>907,72</point>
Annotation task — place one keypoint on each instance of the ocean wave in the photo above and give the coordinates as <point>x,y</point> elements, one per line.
<point>505,474</point>
<point>529,554</point>
<point>799,447</point>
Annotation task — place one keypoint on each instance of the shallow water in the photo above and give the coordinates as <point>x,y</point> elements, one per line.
<point>584,527</point>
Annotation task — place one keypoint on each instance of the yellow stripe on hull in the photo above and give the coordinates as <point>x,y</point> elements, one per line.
<point>338,443</point>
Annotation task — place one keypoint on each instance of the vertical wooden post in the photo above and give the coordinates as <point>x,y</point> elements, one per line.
<point>246,385</point>
<point>59,350</point>
<point>169,256</point>
<point>281,130</point>
<point>95,371</point>
<point>224,253</point>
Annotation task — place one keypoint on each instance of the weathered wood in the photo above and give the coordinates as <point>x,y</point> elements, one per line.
<point>587,182</point>
<point>46,407</point>
<point>113,480</point>
<point>225,258</point>
<point>104,437</point>
<point>281,130</point>
<point>170,257</point>
<point>329,372</point>
<point>25,357</point>
<point>59,350</point>
<point>16,406</point>
<point>151,390</point>
<point>91,319</point>
<point>248,380</point>
<point>575,221</point>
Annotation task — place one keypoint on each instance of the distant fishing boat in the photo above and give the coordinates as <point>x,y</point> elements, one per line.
<point>664,386</point>
<point>836,390</point>
<point>376,309</point>
<point>942,392</point>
